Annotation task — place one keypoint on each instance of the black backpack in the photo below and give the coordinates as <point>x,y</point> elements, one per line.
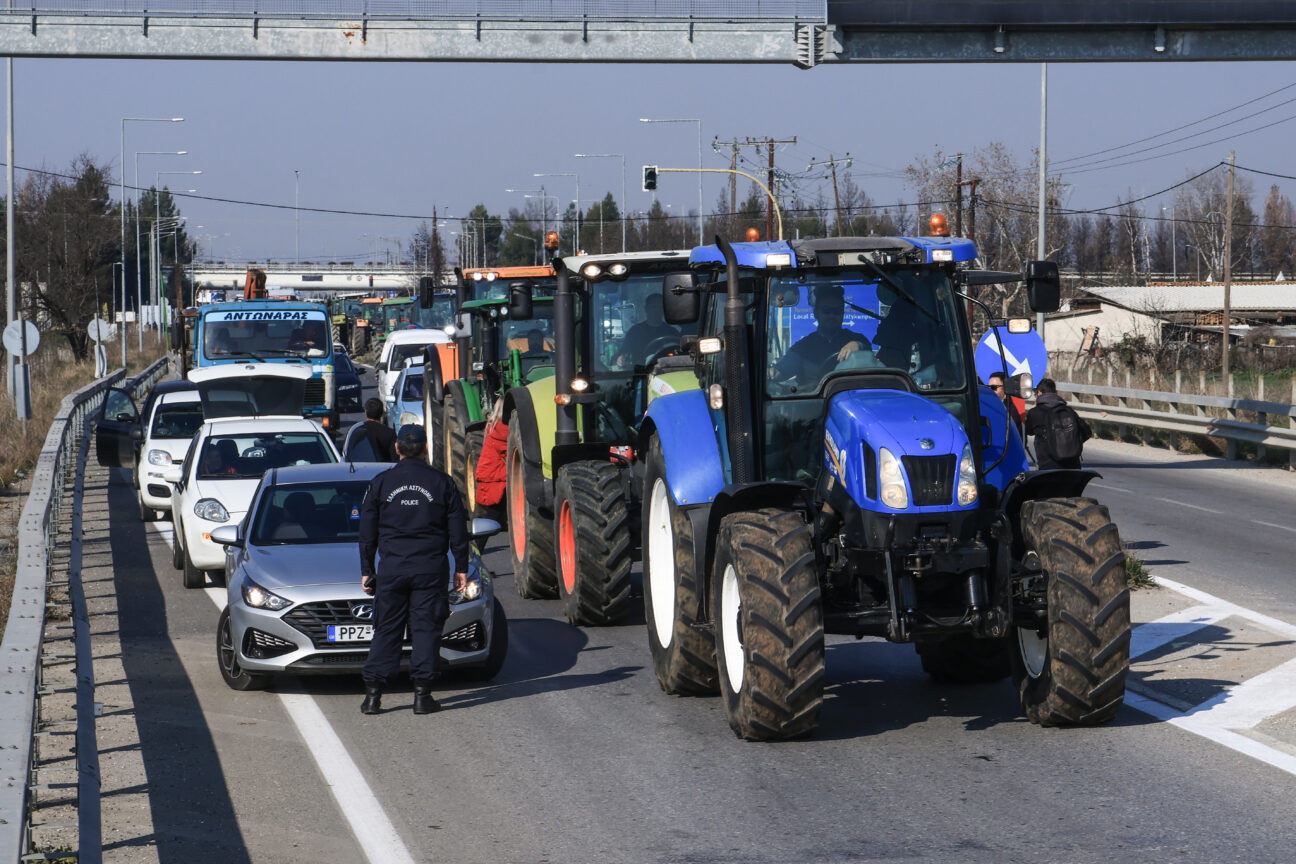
<point>1065,432</point>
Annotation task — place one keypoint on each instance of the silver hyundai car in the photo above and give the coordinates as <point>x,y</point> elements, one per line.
<point>293,576</point>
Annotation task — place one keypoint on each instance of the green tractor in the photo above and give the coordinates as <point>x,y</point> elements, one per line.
<point>574,471</point>
<point>503,339</point>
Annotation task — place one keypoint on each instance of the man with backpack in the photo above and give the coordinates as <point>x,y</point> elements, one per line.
<point>1059,431</point>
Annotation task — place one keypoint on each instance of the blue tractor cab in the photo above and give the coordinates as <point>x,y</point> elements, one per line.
<point>841,470</point>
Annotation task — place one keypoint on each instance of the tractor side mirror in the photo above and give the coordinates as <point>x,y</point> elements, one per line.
<point>461,289</point>
<point>1043,286</point>
<point>519,308</point>
<point>681,302</point>
<point>427,290</point>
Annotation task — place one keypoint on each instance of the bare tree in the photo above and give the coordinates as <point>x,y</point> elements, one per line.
<point>1276,235</point>
<point>1202,206</point>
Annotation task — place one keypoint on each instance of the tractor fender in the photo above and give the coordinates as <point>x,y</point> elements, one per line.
<point>539,491</point>
<point>683,425</point>
<point>1034,485</point>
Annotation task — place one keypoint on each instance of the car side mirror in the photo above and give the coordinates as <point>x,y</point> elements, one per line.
<point>227,535</point>
<point>1043,286</point>
<point>483,529</point>
<point>519,308</point>
<point>681,301</point>
<point>427,286</point>
<point>136,433</point>
<point>173,475</point>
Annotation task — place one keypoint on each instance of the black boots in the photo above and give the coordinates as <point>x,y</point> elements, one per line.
<point>372,703</point>
<point>423,701</point>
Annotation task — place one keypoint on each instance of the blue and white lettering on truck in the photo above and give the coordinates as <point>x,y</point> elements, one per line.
<point>273,331</point>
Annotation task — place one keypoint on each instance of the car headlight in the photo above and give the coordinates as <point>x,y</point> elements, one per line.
<point>408,417</point>
<point>894,494</point>
<point>159,457</point>
<point>472,590</point>
<point>259,598</point>
<point>967,479</point>
<point>211,510</point>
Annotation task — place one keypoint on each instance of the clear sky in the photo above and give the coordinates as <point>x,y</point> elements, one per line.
<point>400,138</point>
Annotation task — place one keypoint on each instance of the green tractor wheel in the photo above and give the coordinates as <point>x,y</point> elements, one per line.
<point>531,542</point>
<point>769,624</point>
<point>593,543</point>
<point>1073,672</point>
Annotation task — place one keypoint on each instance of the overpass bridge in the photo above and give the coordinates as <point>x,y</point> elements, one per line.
<point>308,279</point>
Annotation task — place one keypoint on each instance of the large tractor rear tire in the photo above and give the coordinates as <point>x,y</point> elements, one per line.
<point>531,543</point>
<point>1074,673</point>
<point>965,659</point>
<point>472,453</point>
<point>683,655</point>
<point>456,447</point>
<point>593,543</point>
<point>769,624</point>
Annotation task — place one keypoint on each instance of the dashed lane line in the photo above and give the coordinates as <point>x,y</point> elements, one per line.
<point>1223,718</point>
<point>1186,504</point>
<point>370,825</point>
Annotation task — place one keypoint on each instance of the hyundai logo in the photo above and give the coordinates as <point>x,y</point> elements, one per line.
<point>926,443</point>
<point>362,611</point>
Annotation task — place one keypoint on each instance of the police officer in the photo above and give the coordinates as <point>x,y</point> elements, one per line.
<point>411,514</point>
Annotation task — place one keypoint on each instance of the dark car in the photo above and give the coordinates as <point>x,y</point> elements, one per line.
<point>347,378</point>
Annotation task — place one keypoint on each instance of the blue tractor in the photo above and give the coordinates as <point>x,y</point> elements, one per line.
<point>841,470</point>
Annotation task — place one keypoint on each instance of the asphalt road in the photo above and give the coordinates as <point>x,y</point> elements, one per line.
<point>573,754</point>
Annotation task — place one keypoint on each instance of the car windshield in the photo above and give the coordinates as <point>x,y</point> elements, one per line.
<point>401,353</point>
<point>848,320</point>
<point>299,513</point>
<point>235,335</point>
<point>413,389</point>
<point>630,328</point>
<point>179,420</point>
<point>253,454</point>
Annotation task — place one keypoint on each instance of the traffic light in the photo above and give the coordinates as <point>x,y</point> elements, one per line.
<point>650,178</point>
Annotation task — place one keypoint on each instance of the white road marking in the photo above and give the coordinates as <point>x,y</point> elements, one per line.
<point>1279,527</point>
<point>1110,488</point>
<point>372,828</point>
<point>1242,706</point>
<point>1186,504</point>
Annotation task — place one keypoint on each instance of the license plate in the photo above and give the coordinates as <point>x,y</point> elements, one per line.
<point>350,632</point>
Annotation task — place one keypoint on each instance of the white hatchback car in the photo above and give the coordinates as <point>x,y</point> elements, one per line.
<point>177,416</point>
<point>402,346</point>
<point>252,424</point>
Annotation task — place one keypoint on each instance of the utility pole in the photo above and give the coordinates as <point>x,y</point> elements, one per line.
<point>958,196</point>
<point>1040,247</point>
<point>832,167</point>
<point>1228,265</point>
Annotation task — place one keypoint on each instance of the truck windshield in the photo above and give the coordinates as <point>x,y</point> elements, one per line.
<point>629,327</point>
<point>835,321</point>
<point>233,335</point>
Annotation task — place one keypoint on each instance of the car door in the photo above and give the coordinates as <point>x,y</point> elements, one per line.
<point>118,419</point>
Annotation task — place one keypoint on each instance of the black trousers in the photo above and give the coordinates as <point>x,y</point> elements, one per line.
<point>422,602</point>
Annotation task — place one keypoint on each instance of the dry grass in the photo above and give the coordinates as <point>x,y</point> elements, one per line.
<point>54,374</point>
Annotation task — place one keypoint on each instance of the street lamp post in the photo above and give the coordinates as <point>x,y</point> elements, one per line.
<point>297,215</point>
<point>139,259</point>
<point>158,295</point>
<point>620,156</point>
<point>576,239</point>
<point>544,206</point>
<point>698,121</point>
<point>124,121</point>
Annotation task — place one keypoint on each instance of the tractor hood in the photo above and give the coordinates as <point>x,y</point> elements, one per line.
<point>251,390</point>
<point>926,438</point>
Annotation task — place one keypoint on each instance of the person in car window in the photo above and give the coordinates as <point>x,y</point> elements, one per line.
<point>816,354</point>
<point>635,345</point>
<point>411,515</point>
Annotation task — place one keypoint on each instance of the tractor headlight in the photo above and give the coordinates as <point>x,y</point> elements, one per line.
<point>591,272</point>
<point>211,510</point>
<point>893,494</point>
<point>159,457</point>
<point>967,478</point>
<point>579,385</point>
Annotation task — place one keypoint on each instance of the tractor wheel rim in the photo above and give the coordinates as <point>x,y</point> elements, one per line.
<point>470,482</point>
<point>661,564</point>
<point>731,623</point>
<point>517,507</point>
<point>567,548</point>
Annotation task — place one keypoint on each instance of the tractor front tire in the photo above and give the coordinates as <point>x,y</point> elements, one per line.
<point>1073,674</point>
<point>769,624</point>
<point>966,659</point>
<point>531,542</point>
<point>593,543</point>
<point>683,655</point>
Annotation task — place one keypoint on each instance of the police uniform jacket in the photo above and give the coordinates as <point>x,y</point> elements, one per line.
<point>411,515</point>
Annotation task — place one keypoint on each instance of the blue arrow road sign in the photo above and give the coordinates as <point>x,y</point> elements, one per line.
<point>1023,352</point>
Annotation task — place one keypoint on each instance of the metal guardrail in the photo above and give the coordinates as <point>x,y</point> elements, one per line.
<point>1131,407</point>
<point>66,447</point>
<point>442,10</point>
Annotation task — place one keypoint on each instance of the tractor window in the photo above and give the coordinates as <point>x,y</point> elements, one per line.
<point>630,329</point>
<point>847,320</point>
